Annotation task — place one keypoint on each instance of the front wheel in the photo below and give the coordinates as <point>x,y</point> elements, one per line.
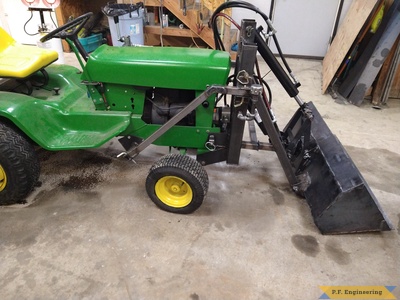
<point>19,166</point>
<point>177,183</point>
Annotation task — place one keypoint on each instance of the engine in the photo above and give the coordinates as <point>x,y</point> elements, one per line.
<point>162,104</point>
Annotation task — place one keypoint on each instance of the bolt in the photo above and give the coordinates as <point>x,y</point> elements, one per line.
<point>56,91</point>
<point>175,188</point>
<point>256,89</point>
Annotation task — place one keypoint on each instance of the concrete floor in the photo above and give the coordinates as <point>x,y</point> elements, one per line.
<point>90,231</point>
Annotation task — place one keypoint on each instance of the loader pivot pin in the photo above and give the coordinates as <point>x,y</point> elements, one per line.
<point>256,90</point>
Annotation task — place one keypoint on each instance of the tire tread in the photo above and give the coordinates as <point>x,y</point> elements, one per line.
<point>17,156</point>
<point>184,164</point>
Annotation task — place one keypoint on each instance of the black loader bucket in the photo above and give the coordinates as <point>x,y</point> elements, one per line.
<point>339,197</point>
<point>315,162</point>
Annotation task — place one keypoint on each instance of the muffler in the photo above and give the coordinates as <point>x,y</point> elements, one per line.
<point>339,197</point>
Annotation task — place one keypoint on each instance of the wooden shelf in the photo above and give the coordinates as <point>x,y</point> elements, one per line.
<point>169,31</point>
<point>152,3</point>
<point>190,18</point>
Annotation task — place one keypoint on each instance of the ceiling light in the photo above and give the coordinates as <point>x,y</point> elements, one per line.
<point>51,3</point>
<point>30,3</point>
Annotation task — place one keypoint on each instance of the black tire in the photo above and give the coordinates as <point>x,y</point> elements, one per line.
<point>19,166</point>
<point>177,183</point>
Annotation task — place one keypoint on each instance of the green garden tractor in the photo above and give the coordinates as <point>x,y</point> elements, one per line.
<point>183,98</point>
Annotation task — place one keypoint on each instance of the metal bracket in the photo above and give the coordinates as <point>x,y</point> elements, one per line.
<point>214,89</point>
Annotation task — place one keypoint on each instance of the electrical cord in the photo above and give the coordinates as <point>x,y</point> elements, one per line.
<point>33,34</point>
<point>194,42</point>
<point>51,17</point>
<point>30,34</point>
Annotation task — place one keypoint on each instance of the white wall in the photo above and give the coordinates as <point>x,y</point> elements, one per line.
<point>239,13</point>
<point>14,15</point>
<point>304,26</point>
<point>3,22</point>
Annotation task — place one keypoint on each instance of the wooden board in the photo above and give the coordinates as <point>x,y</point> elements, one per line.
<point>395,90</point>
<point>60,22</point>
<point>191,21</point>
<point>356,16</point>
<point>371,64</point>
<point>381,82</point>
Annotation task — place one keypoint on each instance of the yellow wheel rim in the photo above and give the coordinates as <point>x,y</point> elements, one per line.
<point>3,179</point>
<point>174,191</point>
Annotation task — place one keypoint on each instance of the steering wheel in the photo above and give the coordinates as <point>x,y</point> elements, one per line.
<point>68,30</point>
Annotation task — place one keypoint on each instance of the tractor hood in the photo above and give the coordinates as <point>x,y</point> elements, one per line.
<point>168,67</point>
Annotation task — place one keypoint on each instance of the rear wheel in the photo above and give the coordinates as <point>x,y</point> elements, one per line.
<point>19,166</point>
<point>177,183</point>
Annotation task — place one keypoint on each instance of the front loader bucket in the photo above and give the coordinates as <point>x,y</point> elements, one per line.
<point>339,197</point>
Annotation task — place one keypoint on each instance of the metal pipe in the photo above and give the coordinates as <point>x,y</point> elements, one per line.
<point>258,146</point>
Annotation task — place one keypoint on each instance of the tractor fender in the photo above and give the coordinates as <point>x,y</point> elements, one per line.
<point>12,108</point>
<point>55,127</point>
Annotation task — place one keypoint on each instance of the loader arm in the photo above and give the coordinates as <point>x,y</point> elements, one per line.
<point>315,162</point>
<point>313,159</point>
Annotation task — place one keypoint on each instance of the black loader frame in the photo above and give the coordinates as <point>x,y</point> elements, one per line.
<point>314,161</point>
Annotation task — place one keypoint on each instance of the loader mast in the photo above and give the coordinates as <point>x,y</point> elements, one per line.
<point>250,43</point>
<point>314,161</point>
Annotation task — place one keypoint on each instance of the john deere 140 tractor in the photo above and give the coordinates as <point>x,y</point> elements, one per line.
<point>183,98</point>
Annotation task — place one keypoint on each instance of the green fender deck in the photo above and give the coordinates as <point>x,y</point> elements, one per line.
<point>65,121</point>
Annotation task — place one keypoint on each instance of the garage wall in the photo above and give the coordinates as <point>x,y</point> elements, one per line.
<point>15,15</point>
<point>3,22</point>
<point>304,26</point>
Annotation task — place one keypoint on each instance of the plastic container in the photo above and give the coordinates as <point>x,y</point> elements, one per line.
<point>91,42</point>
<point>53,44</point>
<point>130,24</point>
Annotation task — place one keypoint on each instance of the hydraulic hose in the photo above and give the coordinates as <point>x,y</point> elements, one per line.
<point>242,4</point>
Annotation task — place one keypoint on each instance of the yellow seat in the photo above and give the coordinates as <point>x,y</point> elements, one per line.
<point>20,61</point>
